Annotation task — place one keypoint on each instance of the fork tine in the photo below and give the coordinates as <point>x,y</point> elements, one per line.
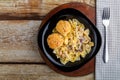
<point>103,14</point>
<point>108,12</point>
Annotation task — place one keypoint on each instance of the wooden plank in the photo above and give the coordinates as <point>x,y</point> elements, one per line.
<point>34,72</point>
<point>31,9</point>
<point>18,41</point>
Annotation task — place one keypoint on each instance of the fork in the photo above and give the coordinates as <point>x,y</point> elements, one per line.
<point>105,21</point>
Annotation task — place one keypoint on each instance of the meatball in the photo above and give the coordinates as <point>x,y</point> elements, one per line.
<point>55,40</point>
<point>63,27</point>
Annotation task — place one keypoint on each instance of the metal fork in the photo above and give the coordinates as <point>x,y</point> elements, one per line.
<point>105,20</point>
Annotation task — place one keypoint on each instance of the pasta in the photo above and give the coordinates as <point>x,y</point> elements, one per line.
<point>76,43</point>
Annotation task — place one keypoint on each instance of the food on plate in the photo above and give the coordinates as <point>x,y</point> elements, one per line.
<point>63,27</point>
<point>55,40</point>
<point>69,40</point>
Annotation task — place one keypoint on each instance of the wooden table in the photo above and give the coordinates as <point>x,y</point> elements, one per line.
<point>19,55</point>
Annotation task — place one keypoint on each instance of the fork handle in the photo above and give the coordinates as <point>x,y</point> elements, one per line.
<point>105,56</point>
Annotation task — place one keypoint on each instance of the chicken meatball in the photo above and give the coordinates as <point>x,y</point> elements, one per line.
<point>55,40</point>
<point>63,27</point>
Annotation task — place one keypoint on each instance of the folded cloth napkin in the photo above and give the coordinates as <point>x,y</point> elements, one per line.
<point>110,70</point>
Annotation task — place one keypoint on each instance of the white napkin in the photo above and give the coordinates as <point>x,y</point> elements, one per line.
<point>110,70</point>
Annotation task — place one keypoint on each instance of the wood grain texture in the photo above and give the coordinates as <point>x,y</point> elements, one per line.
<point>18,41</point>
<point>31,9</point>
<point>34,72</point>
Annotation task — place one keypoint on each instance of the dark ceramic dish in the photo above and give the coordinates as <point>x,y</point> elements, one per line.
<point>47,28</point>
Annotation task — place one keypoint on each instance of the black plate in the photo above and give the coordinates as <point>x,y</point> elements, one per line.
<point>47,28</point>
